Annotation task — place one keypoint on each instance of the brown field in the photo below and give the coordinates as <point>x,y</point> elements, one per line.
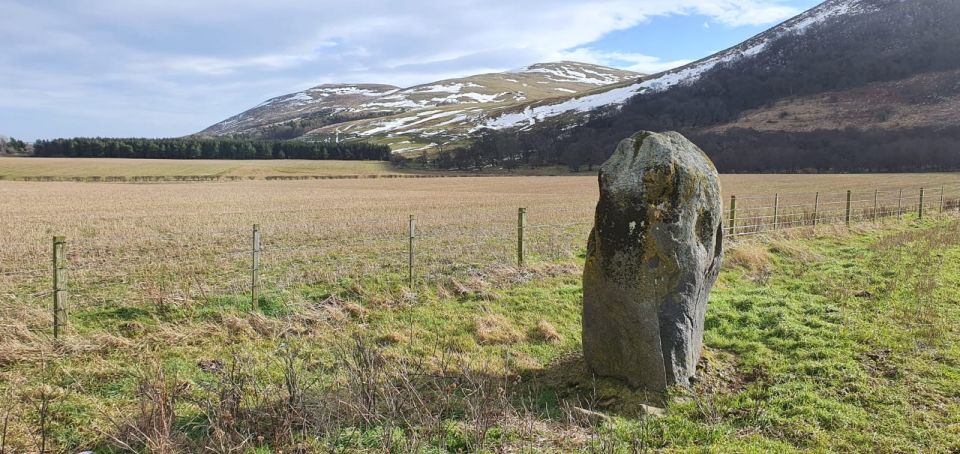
<point>359,227</point>
<point>13,168</point>
<point>160,274</point>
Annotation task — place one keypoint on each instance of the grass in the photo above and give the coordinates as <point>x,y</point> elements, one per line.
<point>852,350</point>
<point>817,340</point>
<point>26,167</point>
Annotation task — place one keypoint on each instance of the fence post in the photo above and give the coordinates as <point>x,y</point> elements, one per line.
<point>816,208</point>
<point>733,215</point>
<point>413,235</point>
<point>900,205</point>
<point>255,269</point>
<point>849,195</point>
<point>920,210</point>
<point>776,211</point>
<point>59,285</point>
<point>941,199</point>
<point>521,225</point>
<point>876,206</point>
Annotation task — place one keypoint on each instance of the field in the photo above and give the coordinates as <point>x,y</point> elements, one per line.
<point>819,339</point>
<point>13,168</point>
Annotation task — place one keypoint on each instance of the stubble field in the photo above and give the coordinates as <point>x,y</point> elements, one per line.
<point>159,282</point>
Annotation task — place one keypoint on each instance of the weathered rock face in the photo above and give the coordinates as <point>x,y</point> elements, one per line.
<point>652,258</point>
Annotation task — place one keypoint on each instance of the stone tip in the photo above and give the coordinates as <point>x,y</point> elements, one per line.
<point>638,139</point>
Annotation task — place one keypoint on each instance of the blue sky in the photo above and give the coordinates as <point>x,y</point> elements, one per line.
<point>161,68</point>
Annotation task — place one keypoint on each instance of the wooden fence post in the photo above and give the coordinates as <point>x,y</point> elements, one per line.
<point>900,205</point>
<point>776,211</point>
<point>816,208</point>
<point>849,195</point>
<point>876,206</point>
<point>920,210</point>
<point>733,215</point>
<point>59,285</point>
<point>255,269</point>
<point>941,199</point>
<point>521,225</point>
<point>413,236</point>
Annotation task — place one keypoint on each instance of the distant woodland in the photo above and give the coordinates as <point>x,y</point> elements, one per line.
<point>12,146</point>
<point>203,148</point>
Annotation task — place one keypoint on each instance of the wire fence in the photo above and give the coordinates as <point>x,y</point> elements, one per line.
<point>251,267</point>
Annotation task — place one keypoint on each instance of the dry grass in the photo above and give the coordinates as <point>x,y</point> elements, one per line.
<point>545,332</point>
<point>752,256</point>
<point>496,329</point>
<point>163,270</point>
<point>14,167</point>
<point>169,245</point>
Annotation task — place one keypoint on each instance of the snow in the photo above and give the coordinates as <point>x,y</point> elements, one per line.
<point>821,15</point>
<point>347,90</point>
<point>302,96</point>
<point>531,115</point>
<point>471,97</point>
<point>565,90</point>
<point>572,73</point>
<point>684,75</point>
<point>407,122</point>
<point>442,88</point>
<point>404,104</point>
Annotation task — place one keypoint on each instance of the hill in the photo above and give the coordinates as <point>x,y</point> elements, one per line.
<point>414,117</point>
<point>848,85</point>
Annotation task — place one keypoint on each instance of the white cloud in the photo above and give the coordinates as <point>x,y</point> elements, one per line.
<point>200,61</point>
<point>626,60</point>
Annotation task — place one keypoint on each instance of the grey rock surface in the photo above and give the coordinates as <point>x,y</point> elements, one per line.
<point>652,258</point>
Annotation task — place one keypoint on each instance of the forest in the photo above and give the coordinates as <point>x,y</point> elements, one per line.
<point>11,145</point>
<point>737,150</point>
<point>205,148</point>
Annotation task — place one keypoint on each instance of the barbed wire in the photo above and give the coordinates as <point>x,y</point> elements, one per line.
<point>445,243</point>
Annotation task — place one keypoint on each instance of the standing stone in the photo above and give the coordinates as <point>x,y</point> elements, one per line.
<point>652,258</point>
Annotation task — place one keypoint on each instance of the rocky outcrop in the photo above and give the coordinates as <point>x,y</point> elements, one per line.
<point>652,258</point>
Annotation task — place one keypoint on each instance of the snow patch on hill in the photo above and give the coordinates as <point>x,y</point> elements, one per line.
<point>664,81</point>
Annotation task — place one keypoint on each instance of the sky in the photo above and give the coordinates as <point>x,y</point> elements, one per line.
<point>168,68</point>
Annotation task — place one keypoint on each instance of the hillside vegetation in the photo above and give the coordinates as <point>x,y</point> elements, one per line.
<point>849,86</point>
<point>414,119</point>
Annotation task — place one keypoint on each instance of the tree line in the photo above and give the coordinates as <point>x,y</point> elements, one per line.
<point>9,145</point>
<point>736,150</point>
<point>206,148</point>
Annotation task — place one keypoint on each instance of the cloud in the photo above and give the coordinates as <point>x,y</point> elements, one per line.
<point>640,63</point>
<point>175,66</point>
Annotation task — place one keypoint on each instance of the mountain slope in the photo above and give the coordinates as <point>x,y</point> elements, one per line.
<point>880,74</point>
<point>447,107</point>
<point>684,75</point>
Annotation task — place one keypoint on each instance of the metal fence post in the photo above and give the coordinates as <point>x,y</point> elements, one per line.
<point>776,211</point>
<point>59,285</point>
<point>920,210</point>
<point>413,236</point>
<point>255,269</point>
<point>849,195</point>
<point>816,208</point>
<point>733,215</point>
<point>521,225</point>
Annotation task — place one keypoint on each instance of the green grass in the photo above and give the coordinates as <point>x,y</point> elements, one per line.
<point>838,343</point>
